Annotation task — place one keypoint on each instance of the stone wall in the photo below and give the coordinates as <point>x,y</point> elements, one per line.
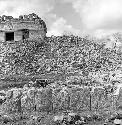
<point>2,36</point>
<point>76,99</point>
<point>35,34</point>
<point>32,22</point>
<point>18,35</point>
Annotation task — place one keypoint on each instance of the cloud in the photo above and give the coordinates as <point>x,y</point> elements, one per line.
<point>102,16</point>
<point>99,14</point>
<point>60,27</point>
<point>49,19</point>
<point>98,17</point>
<point>19,7</point>
<point>55,25</point>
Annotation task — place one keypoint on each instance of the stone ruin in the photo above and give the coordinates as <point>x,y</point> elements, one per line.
<point>26,26</point>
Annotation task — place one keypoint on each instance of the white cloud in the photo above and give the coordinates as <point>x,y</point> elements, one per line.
<point>49,19</point>
<point>99,16</point>
<point>19,7</point>
<point>60,27</point>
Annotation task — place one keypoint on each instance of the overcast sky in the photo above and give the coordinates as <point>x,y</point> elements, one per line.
<point>96,17</point>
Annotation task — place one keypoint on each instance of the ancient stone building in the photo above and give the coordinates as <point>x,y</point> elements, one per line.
<point>26,26</point>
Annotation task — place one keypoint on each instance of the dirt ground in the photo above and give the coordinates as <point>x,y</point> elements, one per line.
<point>47,119</point>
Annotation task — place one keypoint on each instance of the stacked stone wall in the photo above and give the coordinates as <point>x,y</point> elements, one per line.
<point>76,99</point>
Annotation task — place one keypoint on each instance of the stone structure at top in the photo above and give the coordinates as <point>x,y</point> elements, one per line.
<point>26,26</point>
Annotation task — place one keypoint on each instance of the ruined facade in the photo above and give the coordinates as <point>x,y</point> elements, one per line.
<point>26,26</point>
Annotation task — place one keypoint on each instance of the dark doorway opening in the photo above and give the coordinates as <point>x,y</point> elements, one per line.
<point>25,34</point>
<point>9,36</point>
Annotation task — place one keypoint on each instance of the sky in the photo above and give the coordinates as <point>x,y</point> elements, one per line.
<point>78,17</point>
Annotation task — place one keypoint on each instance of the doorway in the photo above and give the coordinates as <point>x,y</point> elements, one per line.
<point>9,36</point>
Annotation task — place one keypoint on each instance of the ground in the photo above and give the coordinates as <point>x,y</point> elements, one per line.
<point>47,119</point>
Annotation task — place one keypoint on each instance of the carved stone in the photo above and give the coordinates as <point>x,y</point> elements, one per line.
<point>26,17</point>
<point>21,18</point>
<point>34,24</point>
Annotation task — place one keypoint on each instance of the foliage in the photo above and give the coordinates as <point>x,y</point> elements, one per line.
<point>72,60</point>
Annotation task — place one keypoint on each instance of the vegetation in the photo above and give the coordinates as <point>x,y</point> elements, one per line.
<point>81,73</point>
